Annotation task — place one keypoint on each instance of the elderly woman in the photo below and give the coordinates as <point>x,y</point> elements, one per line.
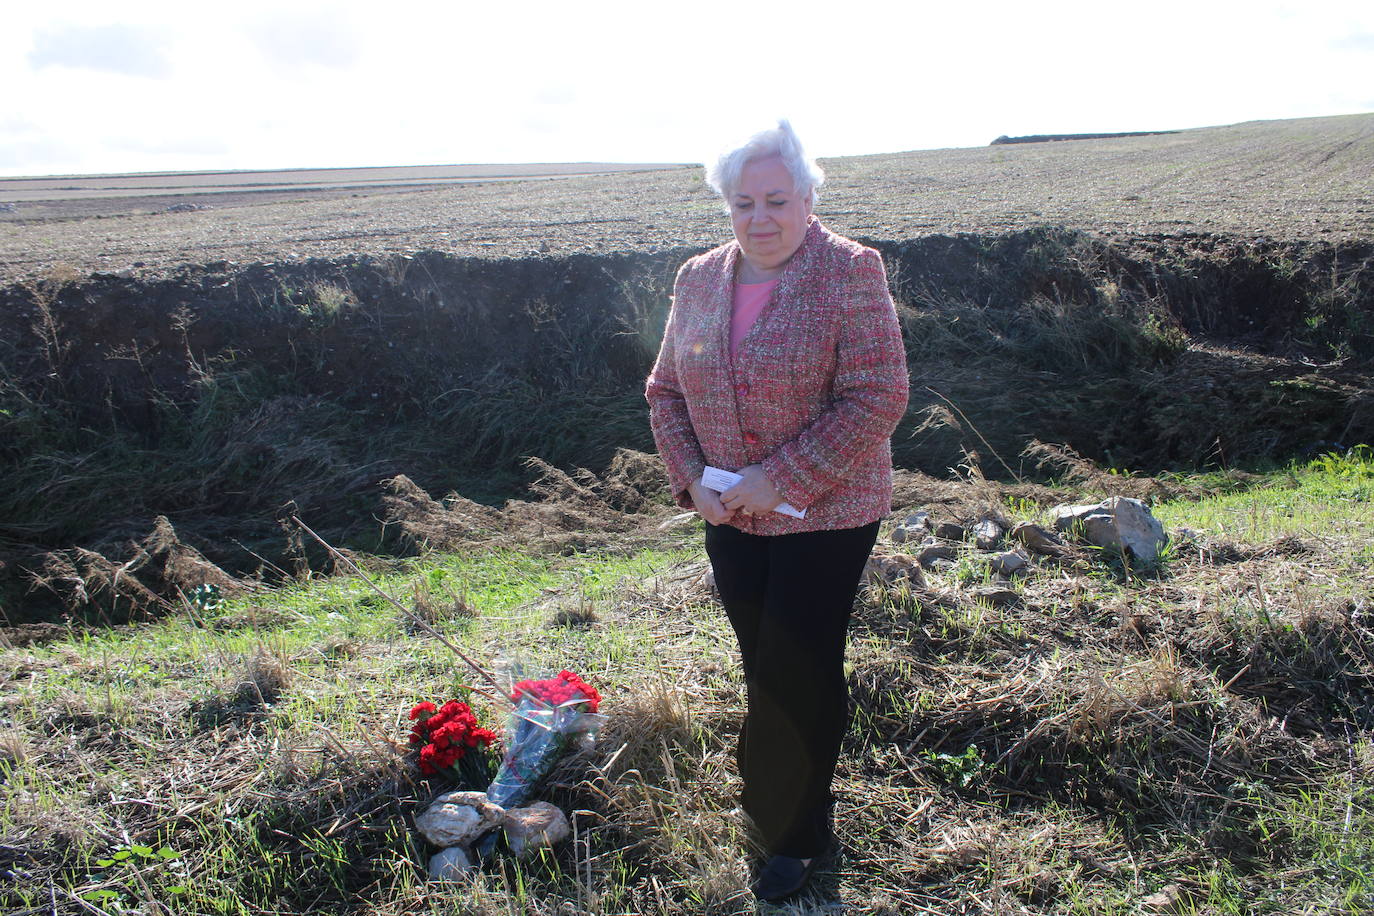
<point>782,361</point>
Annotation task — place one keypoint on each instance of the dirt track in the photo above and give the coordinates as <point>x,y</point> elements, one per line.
<point>1283,180</point>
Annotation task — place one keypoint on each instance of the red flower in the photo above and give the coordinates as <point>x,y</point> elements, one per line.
<point>446,734</point>
<point>567,688</point>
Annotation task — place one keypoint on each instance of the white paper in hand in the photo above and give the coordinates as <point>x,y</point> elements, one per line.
<point>721,480</point>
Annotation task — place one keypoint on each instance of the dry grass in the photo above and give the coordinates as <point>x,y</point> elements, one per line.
<point>568,512</point>
<point>1101,738</point>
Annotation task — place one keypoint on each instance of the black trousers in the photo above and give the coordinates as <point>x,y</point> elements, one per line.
<point>789,598</point>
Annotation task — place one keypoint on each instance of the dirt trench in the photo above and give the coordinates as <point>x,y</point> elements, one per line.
<point>224,397</point>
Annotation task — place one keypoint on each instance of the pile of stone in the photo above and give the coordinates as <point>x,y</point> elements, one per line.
<point>938,545</point>
<point>457,822</point>
<point>1118,524</point>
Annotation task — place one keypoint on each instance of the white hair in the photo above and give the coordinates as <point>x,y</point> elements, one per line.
<point>779,141</point>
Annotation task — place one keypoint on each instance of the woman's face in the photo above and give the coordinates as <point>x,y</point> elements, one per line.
<point>768,215</point>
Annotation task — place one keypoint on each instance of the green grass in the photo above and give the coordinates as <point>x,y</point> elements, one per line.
<point>1042,757</point>
<point>1320,499</point>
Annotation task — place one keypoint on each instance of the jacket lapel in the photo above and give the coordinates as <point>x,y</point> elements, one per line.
<point>723,303</point>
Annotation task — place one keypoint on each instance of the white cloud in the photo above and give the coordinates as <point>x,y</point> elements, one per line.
<point>293,39</point>
<point>1360,43</point>
<point>274,83</point>
<point>115,48</point>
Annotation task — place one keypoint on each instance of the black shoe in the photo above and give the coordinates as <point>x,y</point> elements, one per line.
<point>782,876</point>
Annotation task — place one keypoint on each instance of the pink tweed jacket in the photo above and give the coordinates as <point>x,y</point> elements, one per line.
<point>813,393</point>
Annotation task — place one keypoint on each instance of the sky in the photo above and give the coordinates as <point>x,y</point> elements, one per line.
<point>146,85</point>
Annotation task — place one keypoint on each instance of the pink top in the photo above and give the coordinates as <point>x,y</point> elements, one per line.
<point>750,298</point>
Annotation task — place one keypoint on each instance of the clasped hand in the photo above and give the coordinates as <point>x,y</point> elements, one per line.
<point>753,495</point>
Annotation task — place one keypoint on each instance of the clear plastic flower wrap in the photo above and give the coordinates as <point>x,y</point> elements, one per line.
<point>550,715</point>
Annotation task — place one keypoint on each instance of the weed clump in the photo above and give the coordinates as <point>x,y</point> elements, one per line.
<point>433,604</point>
<point>260,681</point>
<point>130,578</point>
<point>570,511</point>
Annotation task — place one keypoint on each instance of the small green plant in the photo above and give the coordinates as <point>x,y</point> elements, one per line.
<point>131,872</point>
<point>969,571</point>
<point>1356,464</point>
<point>958,769</point>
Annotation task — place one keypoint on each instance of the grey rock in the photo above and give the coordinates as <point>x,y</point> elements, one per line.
<point>996,596</point>
<point>920,520</point>
<point>987,534</point>
<point>458,818</point>
<point>1037,539</point>
<point>8,208</point>
<point>1009,563</point>
<point>452,864</point>
<point>929,553</point>
<point>950,531</point>
<point>534,827</point>
<point>900,535</point>
<point>938,565</point>
<point>1119,522</point>
<point>1065,516</point>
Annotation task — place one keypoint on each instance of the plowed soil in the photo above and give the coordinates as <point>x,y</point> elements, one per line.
<point>1289,180</point>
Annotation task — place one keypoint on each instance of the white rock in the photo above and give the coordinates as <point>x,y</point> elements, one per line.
<point>452,864</point>
<point>458,818</point>
<point>1119,522</point>
<point>986,534</point>
<point>534,827</point>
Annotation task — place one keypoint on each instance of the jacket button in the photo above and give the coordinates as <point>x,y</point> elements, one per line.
<point>750,439</point>
<point>741,389</point>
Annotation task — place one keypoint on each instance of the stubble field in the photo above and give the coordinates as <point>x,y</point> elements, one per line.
<point>1283,180</point>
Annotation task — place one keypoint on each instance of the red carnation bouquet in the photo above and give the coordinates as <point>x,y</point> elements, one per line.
<point>450,740</point>
<point>549,715</point>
